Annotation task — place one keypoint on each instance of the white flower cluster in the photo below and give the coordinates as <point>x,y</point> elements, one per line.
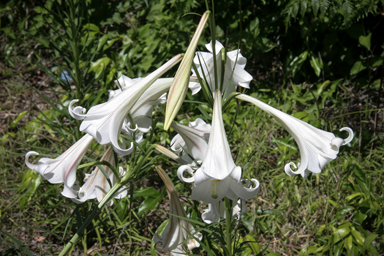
<point>203,146</point>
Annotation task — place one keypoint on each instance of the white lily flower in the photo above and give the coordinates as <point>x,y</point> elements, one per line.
<point>104,121</point>
<point>63,168</point>
<point>218,175</point>
<point>179,232</point>
<point>96,184</point>
<point>192,138</point>
<point>234,73</point>
<point>216,211</point>
<point>317,147</point>
<point>123,83</point>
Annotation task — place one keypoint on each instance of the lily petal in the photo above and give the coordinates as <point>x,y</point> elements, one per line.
<point>63,168</point>
<point>216,211</point>
<point>218,176</point>
<point>96,184</point>
<point>218,162</point>
<point>104,121</point>
<point>192,138</point>
<point>178,231</point>
<point>317,147</point>
<point>234,73</point>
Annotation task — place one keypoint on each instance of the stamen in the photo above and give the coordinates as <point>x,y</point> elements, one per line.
<point>214,191</point>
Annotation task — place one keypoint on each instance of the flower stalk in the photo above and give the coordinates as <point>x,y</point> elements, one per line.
<point>228,224</point>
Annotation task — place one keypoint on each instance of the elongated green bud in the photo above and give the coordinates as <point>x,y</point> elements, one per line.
<point>179,86</point>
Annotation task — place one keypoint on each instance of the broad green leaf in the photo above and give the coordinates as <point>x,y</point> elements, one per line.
<point>322,87</point>
<point>366,41</point>
<point>358,236</point>
<point>377,61</point>
<point>146,192</point>
<point>162,227</point>
<point>117,18</point>
<point>247,221</point>
<point>343,211</point>
<point>357,67</point>
<point>18,118</point>
<point>359,217</point>
<point>109,43</point>
<point>369,239</point>
<point>111,75</point>
<point>99,66</point>
<point>268,44</point>
<point>341,233</point>
<point>348,242</point>
<point>336,205</point>
<point>308,250</point>
<point>40,9</point>
<point>301,115</point>
<point>102,41</point>
<point>253,244</point>
<point>316,65</point>
<point>338,248</point>
<point>149,204</point>
<point>91,27</point>
<point>247,252</point>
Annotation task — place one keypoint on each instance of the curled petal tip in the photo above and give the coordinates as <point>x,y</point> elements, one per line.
<point>256,183</point>
<point>180,173</point>
<point>350,135</point>
<point>288,169</point>
<point>76,112</point>
<point>121,151</point>
<point>133,129</point>
<point>29,164</point>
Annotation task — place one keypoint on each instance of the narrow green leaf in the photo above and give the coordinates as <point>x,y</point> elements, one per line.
<point>18,243</point>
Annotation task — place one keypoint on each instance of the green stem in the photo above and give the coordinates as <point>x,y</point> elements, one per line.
<point>93,214</point>
<point>75,48</point>
<point>228,224</point>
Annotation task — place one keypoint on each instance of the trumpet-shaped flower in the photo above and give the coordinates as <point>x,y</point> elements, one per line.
<point>192,138</point>
<point>179,232</point>
<point>218,175</point>
<point>104,121</point>
<point>63,168</point>
<point>96,184</point>
<point>234,73</point>
<point>317,147</point>
<point>141,111</point>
